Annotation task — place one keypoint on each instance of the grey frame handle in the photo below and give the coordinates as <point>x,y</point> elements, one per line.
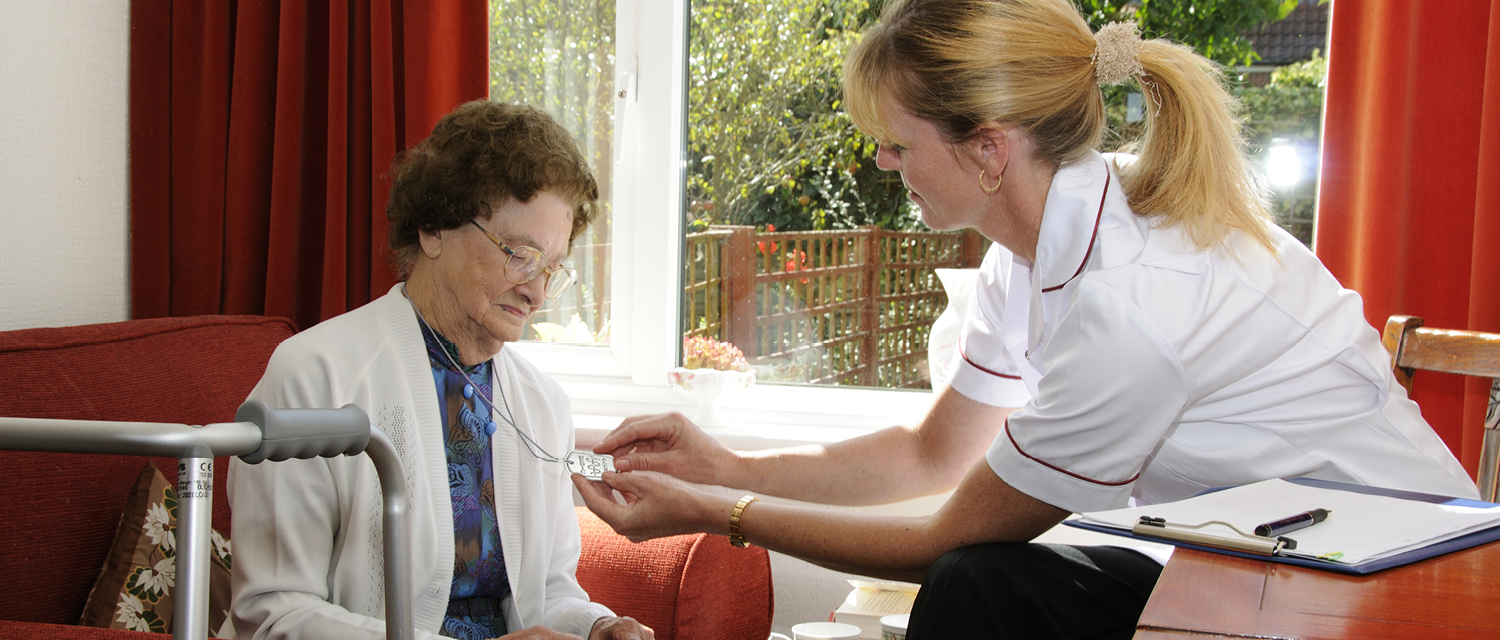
<point>258,433</point>
<point>305,433</point>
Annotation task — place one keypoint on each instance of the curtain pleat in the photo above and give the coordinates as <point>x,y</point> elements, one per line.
<point>261,136</point>
<point>1484,284</point>
<point>1407,202</point>
<point>150,157</point>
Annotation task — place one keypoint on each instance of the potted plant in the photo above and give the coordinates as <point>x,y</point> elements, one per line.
<point>711,370</point>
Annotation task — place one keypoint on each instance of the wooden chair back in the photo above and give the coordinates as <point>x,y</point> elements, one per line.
<point>1470,353</point>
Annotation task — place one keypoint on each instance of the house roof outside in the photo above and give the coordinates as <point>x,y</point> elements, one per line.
<point>1294,38</point>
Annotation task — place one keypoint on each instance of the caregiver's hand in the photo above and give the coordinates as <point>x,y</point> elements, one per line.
<point>656,505</point>
<point>671,444</point>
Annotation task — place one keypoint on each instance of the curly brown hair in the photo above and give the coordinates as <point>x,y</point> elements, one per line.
<point>479,156</point>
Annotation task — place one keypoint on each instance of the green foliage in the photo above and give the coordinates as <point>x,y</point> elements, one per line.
<point>1289,107</point>
<point>768,141</point>
<point>560,56</point>
<point>769,144</point>
<point>1288,110</point>
<point>1210,27</point>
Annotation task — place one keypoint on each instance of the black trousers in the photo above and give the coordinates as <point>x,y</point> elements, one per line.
<point>1024,590</point>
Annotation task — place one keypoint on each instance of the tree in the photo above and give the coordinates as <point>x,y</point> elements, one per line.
<point>560,56</point>
<point>768,140</point>
<point>1288,111</point>
<point>1213,28</point>
<point>769,143</point>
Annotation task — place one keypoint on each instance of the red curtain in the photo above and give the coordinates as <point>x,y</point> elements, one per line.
<point>1409,202</point>
<point>261,133</point>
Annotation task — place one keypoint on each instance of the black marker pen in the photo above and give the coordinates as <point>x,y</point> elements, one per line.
<point>1292,523</point>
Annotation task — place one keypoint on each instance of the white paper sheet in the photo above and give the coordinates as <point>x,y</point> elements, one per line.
<point>1359,527</point>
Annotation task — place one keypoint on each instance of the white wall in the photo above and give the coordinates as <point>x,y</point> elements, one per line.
<point>64,207</point>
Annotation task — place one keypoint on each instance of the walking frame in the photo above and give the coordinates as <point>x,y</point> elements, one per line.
<point>259,433</point>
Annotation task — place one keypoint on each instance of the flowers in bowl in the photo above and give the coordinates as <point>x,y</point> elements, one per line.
<point>700,352</point>
<point>711,370</point>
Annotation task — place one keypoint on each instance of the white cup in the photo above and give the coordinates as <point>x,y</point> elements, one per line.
<point>893,627</point>
<point>825,631</point>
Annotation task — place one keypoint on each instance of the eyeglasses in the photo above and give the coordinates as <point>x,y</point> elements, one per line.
<point>524,264</point>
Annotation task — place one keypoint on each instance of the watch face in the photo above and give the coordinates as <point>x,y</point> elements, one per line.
<point>590,465</point>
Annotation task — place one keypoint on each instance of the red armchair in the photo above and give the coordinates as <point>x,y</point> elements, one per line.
<point>59,512</point>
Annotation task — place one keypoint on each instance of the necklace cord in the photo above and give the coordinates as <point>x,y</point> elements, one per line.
<point>532,446</point>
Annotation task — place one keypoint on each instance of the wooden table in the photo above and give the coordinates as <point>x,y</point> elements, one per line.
<point>1207,595</point>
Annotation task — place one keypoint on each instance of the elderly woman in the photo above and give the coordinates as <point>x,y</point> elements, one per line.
<point>1141,331</point>
<point>482,213</point>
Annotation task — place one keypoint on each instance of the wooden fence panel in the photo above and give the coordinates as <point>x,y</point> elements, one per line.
<point>704,302</point>
<point>850,307</point>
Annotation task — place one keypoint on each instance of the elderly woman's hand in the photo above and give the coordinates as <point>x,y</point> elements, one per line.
<point>615,628</point>
<point>656,505</point>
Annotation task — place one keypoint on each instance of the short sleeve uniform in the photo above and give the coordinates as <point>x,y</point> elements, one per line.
<point>1148,368</point>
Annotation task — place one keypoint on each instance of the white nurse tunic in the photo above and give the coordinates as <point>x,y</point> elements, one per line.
<point>1146,367</point>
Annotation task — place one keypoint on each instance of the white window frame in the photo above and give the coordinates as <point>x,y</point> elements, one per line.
<point>629,376</point>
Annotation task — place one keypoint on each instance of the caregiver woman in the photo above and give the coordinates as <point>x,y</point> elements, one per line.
<point>1140,331</point>
<point>482,213</point>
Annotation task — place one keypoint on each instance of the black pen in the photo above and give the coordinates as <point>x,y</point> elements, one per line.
<point>1292,523</point>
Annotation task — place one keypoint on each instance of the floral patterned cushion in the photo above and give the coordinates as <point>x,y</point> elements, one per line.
<point>134,589</point>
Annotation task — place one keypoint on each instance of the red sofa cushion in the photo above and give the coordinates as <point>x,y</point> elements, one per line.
<point>60,511</point>
<point>696,587</point>
<point>35,631</point>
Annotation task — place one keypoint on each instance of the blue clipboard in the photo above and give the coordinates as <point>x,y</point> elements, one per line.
<point>1430,551</point>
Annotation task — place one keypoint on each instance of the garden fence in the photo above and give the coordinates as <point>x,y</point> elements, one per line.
<point>830,307</point>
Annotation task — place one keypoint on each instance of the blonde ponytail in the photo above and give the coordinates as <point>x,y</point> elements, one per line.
<point>1032,64</point>
<point>1192,172</point>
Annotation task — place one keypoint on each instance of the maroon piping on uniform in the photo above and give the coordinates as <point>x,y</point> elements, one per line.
<point>974,364</point>
<point>1097,217</point>
<point>1060,469</point>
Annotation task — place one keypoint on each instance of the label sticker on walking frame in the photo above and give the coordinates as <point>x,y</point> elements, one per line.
<point>590,465</point>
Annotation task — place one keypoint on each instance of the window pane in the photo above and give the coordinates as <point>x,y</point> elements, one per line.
<point>799,250</point>
<point>560,56</point>
<point>1273,54</point>
<point>1283,99</point>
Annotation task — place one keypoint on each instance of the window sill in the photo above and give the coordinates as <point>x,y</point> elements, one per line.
<point>590,430</point>
<point>764,416</point>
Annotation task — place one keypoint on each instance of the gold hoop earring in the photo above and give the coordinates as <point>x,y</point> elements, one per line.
<point>990,190</point>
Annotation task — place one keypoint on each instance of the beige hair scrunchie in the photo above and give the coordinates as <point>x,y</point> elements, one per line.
<point>1117,49</point>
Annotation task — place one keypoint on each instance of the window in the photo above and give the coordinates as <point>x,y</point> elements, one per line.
<point>1272,57</point>
<point>668,182</point>
<point>798,249</point>
<point>1282,93</point>
<point>646,173</point>
<point>560,56</point>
